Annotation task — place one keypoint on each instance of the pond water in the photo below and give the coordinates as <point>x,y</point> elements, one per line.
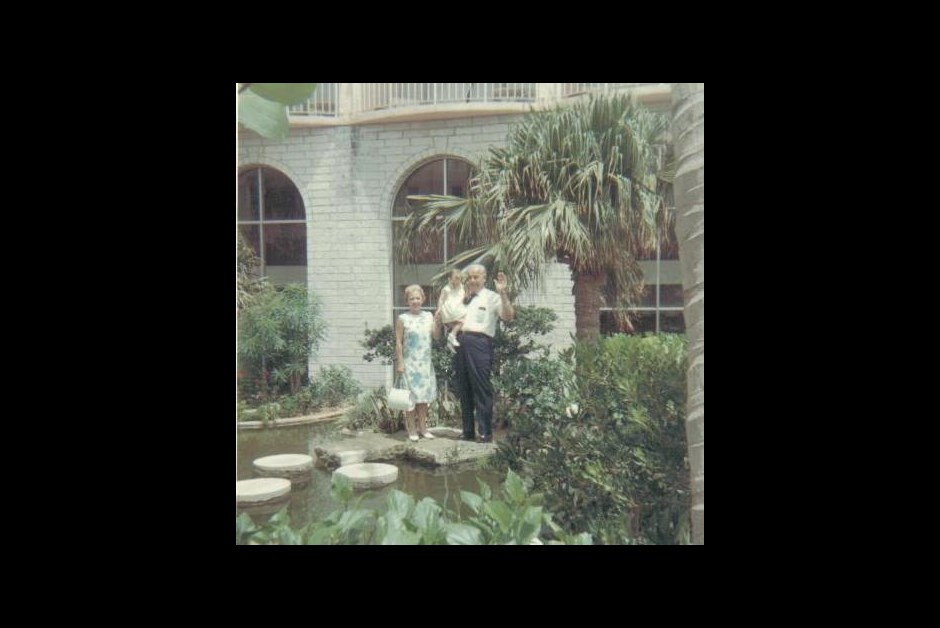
<point>313,501</point>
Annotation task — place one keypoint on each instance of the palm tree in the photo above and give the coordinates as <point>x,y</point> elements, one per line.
<point>689,133</point>
<point>582,185</point>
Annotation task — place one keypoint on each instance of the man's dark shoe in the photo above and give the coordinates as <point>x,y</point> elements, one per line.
<point>486,439</point>
<point>465,437</point>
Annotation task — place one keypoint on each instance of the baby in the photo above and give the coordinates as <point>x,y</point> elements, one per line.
<point>451,307</point>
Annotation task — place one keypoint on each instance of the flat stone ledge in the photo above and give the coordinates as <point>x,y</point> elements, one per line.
<point>369,474</point>
<point>318,417</point>
<point>444,451</point>
<point>260,491</point>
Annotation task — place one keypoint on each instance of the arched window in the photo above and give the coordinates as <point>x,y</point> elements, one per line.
<point>271,219</point>
<point>441,176</point>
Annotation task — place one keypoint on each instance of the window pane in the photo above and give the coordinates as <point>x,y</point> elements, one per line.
<point>426,250</point>
<point>458,174</point>
<point>248,195</point>
<point>252,233</point>
<point>670,295</point>
<point>428,179</point>
<point>669,247</point>
<point>454,247</point>
<point>281,199</point>
<point>285,245</point>
<point>642,321</point>
<point>672,322</point>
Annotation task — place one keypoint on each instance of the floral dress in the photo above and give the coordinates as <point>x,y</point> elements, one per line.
<point>416,345</point>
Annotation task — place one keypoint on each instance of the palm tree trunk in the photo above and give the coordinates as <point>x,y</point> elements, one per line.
<point>688,131</point>
<point>587,303</point>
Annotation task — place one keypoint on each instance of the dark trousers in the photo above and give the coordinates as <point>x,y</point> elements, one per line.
<point>472,364</point>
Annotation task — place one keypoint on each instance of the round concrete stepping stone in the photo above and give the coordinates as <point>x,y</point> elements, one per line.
<point>260,490</point>
<point>369,474</point>
<point>294,467</point>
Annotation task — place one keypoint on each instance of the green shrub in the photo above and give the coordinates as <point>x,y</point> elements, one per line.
<point>277,333</point>
<point>334,386</point>
<point>616,466</point>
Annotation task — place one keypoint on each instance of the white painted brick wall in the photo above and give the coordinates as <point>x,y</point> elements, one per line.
<point>348,177</point>
<point>555,293</point>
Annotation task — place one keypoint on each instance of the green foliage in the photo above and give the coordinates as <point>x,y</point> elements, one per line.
<point>518,339</point>
<point>333,386</point>
<point>516,518</point>
<point>277,333</point>
<point>247,282</point>
<point>262,106</point>
<point>616,466</point>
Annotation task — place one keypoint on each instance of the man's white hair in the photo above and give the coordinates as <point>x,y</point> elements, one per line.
<point>477,267</point>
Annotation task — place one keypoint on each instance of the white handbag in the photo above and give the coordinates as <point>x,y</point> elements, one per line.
<point>399,398</point>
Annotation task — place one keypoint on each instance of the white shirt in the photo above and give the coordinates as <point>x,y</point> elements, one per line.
<point>482,312</point>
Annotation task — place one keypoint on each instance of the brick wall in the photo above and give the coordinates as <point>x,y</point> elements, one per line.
<point>348,177</point>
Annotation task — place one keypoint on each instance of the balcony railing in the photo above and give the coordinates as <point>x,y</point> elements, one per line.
<point>323,102</point>
<point>343,100</point>
<point>390,95</point>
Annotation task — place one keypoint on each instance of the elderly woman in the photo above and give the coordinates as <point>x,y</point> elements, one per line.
<point>413,332</point>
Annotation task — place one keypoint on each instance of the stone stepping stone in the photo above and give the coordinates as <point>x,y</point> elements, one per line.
<point>369,474</point>
<point>294,467</point>
<point>261,491</point>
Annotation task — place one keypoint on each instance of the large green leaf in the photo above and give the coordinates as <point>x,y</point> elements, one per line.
<point>284,93</point>
<point>461,534</point>
<point>426,514</point>
<point>265,117</point>
<point>530,526</point>
<point>399,504</point>
<point>341,488</point>
<point>514,488</point>
<point>500,512</point>
<point>398,535</point>
<point>471,499</point>
<point>353,518</point>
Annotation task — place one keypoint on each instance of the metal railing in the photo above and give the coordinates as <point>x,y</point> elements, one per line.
<point>391,95</point>
<point>323,102</point>
<point>365,97</point>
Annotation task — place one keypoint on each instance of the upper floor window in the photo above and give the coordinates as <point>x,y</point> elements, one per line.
<point>271,218</point>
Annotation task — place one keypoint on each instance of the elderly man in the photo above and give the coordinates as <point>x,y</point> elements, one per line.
<point>474,358</point>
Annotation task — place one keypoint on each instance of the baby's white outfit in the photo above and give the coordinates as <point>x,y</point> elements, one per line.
<point>452,309</point>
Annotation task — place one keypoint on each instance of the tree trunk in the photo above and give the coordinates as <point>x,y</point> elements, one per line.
<point>587,304</point>
<point>688,131</point>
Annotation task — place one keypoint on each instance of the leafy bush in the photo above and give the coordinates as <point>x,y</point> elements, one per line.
<point>277,333</point>
<point>517,338</point>
<point>615,466</point>
<point>247,282</point>
<point>333,386</point>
